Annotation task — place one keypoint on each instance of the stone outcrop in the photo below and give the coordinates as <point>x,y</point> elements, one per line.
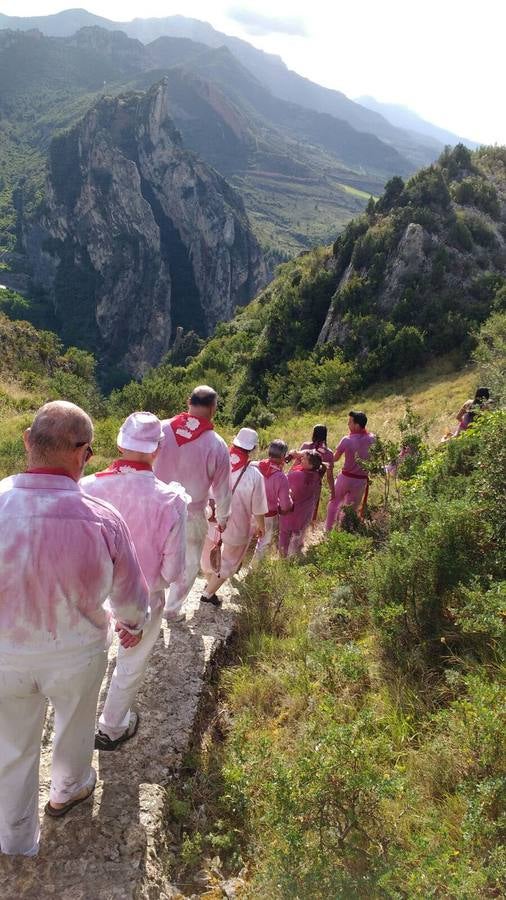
<point>137,236</point>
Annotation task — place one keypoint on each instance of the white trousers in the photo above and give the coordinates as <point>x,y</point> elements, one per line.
<point>264,542</point>
<point>127,676</point>
<point>196,530</point>
<point>23,694</point>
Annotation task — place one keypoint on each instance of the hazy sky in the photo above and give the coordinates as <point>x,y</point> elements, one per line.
<point>442,58</point>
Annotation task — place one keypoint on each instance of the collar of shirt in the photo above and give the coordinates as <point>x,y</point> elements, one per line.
<point>120,466</point>
<point>46,479</point>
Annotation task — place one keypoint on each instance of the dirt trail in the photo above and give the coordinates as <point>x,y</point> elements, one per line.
<point>115,846</point>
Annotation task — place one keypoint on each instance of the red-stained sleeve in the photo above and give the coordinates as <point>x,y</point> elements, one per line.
<point>341,447</point>
<point>174,552</point>
<point>284,496</point>
<point>129,597</point>
<point>221,486</point>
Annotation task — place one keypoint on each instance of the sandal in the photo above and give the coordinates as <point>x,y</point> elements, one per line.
<point>104,742</point>
<point>63,810</point>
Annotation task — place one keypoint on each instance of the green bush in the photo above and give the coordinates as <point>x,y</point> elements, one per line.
<point>427,587</point>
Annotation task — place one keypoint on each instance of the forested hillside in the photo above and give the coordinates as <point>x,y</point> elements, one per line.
<point>412,279</point>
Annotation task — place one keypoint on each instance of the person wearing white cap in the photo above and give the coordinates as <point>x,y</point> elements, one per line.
<point>155,513</point>
<point>193,454</point>
<point>248,500</point>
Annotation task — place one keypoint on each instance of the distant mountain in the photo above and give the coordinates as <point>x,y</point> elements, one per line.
<point>269,69</point>
<point>302,174</point>
<point>403,117</point>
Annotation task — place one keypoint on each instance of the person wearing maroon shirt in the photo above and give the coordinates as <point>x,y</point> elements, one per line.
<point>318,442</point>
<point>351,484</point>
<point>277,490</point>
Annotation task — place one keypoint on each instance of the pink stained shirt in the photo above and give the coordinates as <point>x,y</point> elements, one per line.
<point>326,454</point>
<point>62,554</point>
<point>277,491</point>
<point>155,513</point>
<point>305,489</point>
<point>198,465</point>
<point>249,500</point>
<point>354,445</point>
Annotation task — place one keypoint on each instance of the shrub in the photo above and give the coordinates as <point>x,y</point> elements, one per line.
<point>490,355</point>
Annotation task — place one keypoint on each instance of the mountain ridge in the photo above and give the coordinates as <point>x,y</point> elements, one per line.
<point>268,68</point>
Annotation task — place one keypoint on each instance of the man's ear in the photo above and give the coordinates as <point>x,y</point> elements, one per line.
<point>26,438</point>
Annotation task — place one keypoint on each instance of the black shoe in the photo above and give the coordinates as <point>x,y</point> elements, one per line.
<point>214,599</point>
<point>104,742</point>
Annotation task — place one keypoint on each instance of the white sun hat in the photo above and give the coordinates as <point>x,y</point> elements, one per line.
<point>246,438</point>
<point>141,431</point>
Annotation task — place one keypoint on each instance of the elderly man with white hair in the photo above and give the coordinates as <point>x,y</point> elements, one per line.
<point>155,513</point>
<point>249,504</point>
<point>62,553</point>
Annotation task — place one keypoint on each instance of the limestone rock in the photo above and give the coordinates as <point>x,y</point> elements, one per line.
<point>137,236</point>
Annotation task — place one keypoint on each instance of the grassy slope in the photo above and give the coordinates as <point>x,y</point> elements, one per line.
<point>436,392</point>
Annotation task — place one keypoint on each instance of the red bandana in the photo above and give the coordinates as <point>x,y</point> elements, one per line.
<point>268,467</point>
<point>298,468</point>
<point>119,464</point>
<point>188,428</point>
<point>238,458</point>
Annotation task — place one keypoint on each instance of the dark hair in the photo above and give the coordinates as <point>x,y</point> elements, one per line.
<point>315,459</point>
<point>482,393</point>
<point>319,434</point>
<point>359,418</point>
<point>203,395</point>
<point>278,449</point>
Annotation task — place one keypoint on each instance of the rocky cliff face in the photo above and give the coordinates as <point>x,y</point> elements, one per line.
<point>137,236</point>
<point>429,254</point>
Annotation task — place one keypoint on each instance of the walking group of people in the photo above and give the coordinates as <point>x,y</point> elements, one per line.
<point>118,550</point>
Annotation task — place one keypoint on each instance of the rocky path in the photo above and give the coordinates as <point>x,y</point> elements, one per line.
<point>115,846</point>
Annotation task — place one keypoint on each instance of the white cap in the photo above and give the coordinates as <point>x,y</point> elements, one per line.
<point>142,432</point>
<point>246,438</point>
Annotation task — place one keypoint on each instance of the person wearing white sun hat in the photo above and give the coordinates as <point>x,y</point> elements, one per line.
<point>249,501</point>
<point>156,515</point>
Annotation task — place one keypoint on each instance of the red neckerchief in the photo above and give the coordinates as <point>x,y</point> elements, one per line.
<point>47,471</point>
<point>188,428</point>
<point>119,464</point>
<point>269,467</point>
<point>238,458</point>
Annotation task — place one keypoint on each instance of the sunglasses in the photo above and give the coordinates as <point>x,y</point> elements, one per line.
<point>89,449</point>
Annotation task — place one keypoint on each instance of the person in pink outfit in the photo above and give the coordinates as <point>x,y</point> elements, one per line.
<point>277,491</point>
<point>155,513</point>
<point>249,502</point>
<point>467,412</point>
<point>351,483</point>
<point>62,554</point>
<point>198,458</point>
<point>319,442</point>
<point>304,479</point>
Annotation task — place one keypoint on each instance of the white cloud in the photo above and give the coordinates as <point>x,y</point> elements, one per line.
<point>260,24</point>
